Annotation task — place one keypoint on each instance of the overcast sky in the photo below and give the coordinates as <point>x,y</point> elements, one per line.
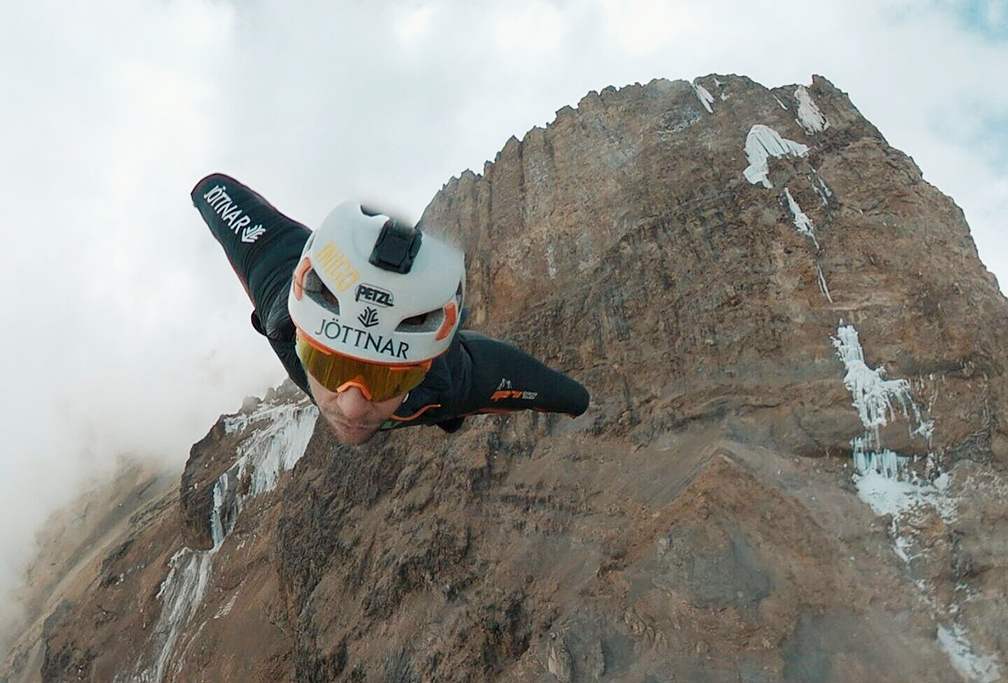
<point>125,329</point>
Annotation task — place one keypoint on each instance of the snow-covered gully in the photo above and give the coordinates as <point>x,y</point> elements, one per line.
<point>905,487</point>
<point>277,436</point>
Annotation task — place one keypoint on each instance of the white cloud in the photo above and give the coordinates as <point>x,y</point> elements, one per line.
<point>532,30</point>
<point>107,115</point>
<point>414,23</point>
<point>648,26</point>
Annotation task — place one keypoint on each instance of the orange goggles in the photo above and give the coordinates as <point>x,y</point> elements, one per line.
<point>338,373</point>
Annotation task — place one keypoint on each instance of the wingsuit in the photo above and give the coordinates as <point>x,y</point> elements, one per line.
<point>476,375</point>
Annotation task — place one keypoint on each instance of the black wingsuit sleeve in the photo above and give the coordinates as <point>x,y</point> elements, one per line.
<point>263,246</point>
<point>505,378</point>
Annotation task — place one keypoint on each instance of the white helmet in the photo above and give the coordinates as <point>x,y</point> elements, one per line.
<point>375,289</point>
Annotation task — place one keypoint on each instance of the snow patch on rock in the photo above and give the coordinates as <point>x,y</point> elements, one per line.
<point>264,453</point>
<point>822,282</point>
<point>809,116</point>
<point>970,665</point>
<point>706,99</point>
<point>891,485</point>
<point>873,394</point>
<point>801,221</point>
<point>823,191</point>
<point>226,609</point>
<point>181,592</point>
<point>764,142</point>
<point>885,481</point>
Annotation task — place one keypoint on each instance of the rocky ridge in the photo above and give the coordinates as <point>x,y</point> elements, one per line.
<point>75,548</point>
<point>793,468</point>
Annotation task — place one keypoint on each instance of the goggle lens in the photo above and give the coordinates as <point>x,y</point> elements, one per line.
<point>376,382</point>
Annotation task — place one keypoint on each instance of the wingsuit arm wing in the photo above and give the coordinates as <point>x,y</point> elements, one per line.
<point>263,246</point>
<point>505,378</point>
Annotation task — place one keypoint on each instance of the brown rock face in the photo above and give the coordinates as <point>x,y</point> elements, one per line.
<point>699,522</point>
<point>625,242</point>
<point>104,540</point>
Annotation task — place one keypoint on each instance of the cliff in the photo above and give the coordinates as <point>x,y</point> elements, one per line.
<point>793,469</point>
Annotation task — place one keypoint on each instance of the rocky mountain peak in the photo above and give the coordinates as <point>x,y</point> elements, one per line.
<point>793,468</point>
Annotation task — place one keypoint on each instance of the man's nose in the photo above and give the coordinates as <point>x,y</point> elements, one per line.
<point>353,403</point>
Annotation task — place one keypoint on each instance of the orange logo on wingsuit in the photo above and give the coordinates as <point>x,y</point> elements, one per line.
<point>337,266</point>
<point>511,393</point>
<point>505,390</point>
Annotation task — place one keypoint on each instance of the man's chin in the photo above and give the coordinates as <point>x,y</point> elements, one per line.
<point>350,435</point>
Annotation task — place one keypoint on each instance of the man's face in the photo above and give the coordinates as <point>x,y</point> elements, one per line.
<point>354,418</point>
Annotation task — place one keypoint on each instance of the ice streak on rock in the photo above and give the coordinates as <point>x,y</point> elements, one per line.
<point>226,609</point>
<point>886,481</point>
<point>241,421</point>
<point>822,282</point>
<point>821,190</point>
<point>764,142</point>
<point>970,665</point>
<point>706,99</point>
<point>267,450</point>
<point>801,221</point>
<point>809,116</point>
<point>873,394</point>
<point>236,423</point>
<point>181,592</point>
